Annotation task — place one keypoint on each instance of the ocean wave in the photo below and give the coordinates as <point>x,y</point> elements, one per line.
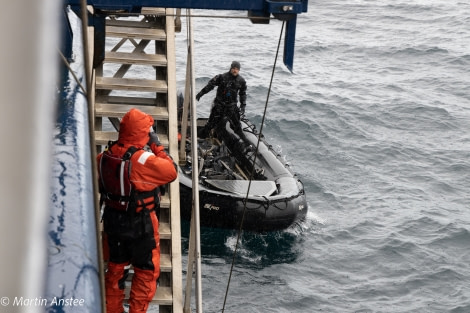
<point>463,60</point>
<point>260,250</point>
<point>453,236</point>
<point>417,52</point>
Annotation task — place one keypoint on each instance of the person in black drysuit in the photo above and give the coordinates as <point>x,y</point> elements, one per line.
<point>225,114</point>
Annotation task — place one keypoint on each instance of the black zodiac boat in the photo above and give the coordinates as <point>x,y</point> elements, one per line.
<point>275,200</point>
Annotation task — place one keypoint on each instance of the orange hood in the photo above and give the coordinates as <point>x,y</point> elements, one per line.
<point>134,128</point>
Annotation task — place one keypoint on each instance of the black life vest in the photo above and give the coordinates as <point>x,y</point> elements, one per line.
<point>115,185</point>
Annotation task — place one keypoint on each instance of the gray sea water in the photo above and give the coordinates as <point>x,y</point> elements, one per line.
<point>375,120</point>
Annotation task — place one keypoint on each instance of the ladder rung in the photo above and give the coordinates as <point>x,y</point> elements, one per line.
<point>152,11</point>
<point>163,295</point>
<point>165,231</point>
<point>165,201</point>
<point>165,266</point>
<point>103,137</point>
<point>135,58</point>
<point>119,110</point>
<point>135,32</point>
<point>130,100</point>
<point>134,84</point>
<point>134,23</point>
<point>165,262</point>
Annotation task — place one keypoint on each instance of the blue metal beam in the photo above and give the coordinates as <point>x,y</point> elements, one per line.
<point>282,9</point>
<point>271,6</point>
<point>289,43</point>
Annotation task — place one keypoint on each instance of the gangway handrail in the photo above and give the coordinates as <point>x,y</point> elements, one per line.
<point>195,236</point>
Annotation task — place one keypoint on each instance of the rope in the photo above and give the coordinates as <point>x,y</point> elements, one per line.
<point>253,168</point>
<point>67,64</point>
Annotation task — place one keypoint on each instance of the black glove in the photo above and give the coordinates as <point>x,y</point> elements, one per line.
<point>199,95</point>
<point>242,109</point>
<point>154,139</point>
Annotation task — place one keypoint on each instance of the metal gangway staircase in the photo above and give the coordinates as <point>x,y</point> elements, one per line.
<point>139,71</point>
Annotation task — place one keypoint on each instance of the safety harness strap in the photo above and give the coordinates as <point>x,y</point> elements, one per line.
<point>115,185</point>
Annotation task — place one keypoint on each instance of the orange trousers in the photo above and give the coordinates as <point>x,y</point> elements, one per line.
<point>144,254</point>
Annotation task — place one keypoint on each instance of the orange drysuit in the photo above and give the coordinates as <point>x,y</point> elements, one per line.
<point>132,234</point>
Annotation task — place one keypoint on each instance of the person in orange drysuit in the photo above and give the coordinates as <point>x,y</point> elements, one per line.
<point>129,179</point>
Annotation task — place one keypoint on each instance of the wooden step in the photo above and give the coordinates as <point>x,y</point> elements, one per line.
<point>135,58</point>
<point>135,32</point>
<point>163,295</point>
<point>165,262</point>
<point>153,11</point>
<point>165,201</point>
<point>130,100</point>
<point>103,137</point>
<point>141,23</point>
<point>133,84</point>
<point>165,230</point>
<point>165,266</point>
<point>119,110</point>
